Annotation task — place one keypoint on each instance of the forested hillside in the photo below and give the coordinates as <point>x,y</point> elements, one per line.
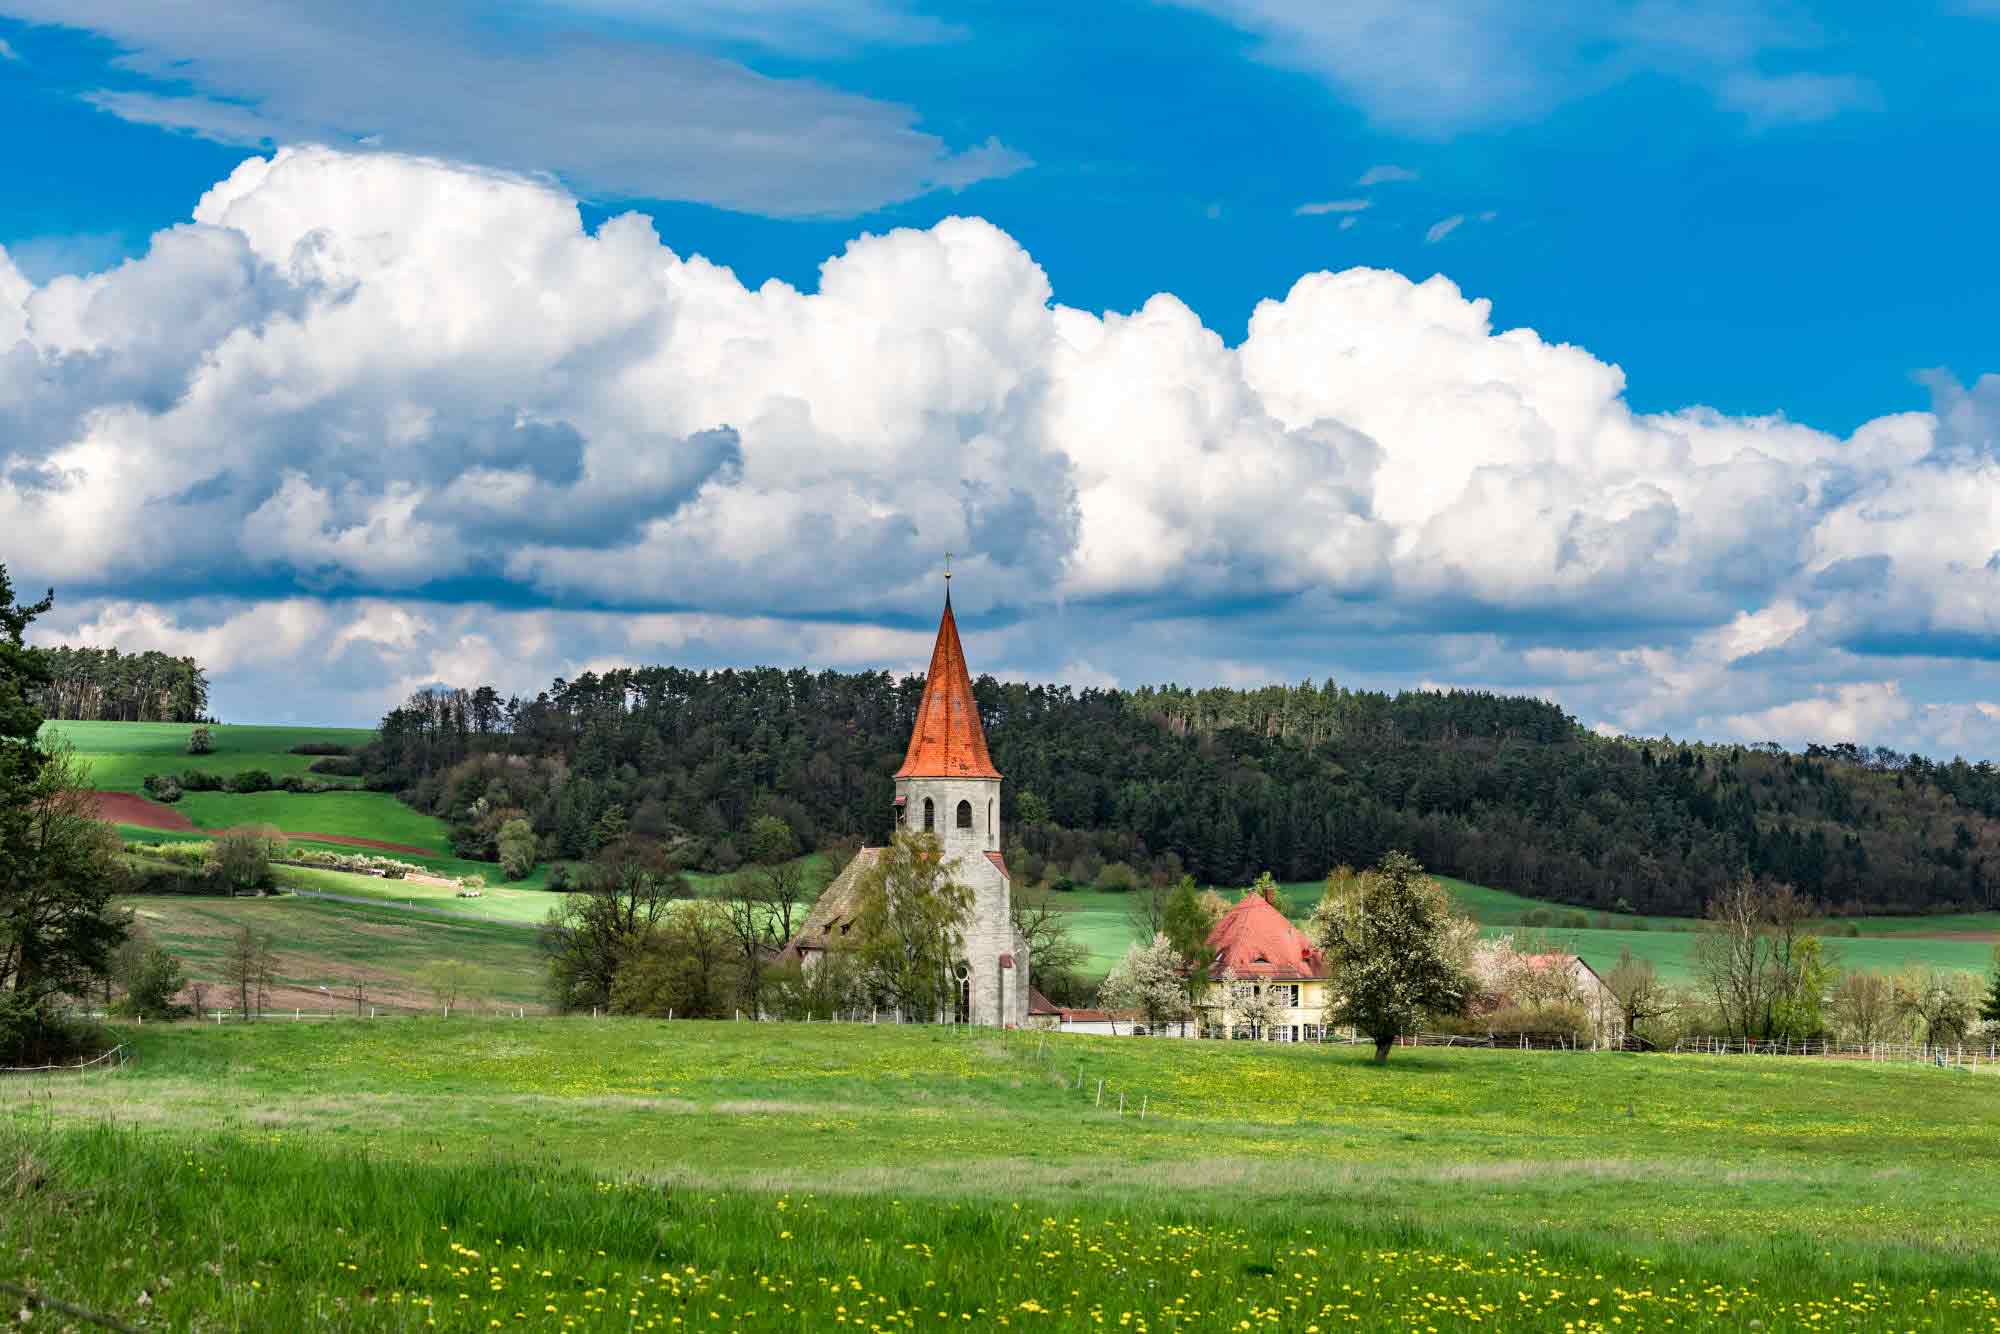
<point>103,685</point>
<point>1102,784</point>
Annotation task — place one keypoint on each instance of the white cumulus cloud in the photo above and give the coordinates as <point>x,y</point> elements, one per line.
<point>398,393</point>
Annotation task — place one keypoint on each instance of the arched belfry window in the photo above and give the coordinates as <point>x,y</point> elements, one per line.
<point>930,815</point>
<point>965,815</point>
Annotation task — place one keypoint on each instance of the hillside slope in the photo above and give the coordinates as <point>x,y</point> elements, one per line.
<point>1502,791</point>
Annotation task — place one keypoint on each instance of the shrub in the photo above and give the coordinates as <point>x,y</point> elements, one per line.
<point>200,741</point>
<point>1576,921</point>
<point>517,849</point>
<point>559,878</point>
<point>300,783</point>
<point>162,787</point>
<point>1118,878</point>
<point>360,863</point>
<point>320,748</point>
<point>151,982</point>
<point>1538,917</point>
<point>166,880</point>
<point>243,857</point>
<point>251,780</point>
<point>199,780</point>
<point>337,766</point>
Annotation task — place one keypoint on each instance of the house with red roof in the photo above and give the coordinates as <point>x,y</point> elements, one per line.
<point>1269,981</point>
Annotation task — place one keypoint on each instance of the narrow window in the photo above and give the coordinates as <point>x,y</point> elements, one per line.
<point>965,815</point>
<point>989,822</point>
<point>930,816</point>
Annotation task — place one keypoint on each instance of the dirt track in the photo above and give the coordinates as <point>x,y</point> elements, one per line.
<point>130,808</point>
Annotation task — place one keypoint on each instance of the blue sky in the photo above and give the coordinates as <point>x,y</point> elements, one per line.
<point>1763,210</point>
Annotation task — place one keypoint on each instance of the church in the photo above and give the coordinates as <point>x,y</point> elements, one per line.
<point>947,786</point>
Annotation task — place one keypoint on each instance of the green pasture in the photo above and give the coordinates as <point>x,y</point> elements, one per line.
<point>523,902</point>
<point>120,755</point>
<point>354,814</point>
<point>625,1174</point>
<point>333,945</point>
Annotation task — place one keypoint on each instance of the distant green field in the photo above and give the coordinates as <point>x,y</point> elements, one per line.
<point>519,902</point>
<point>120,755</point>
<point>356,814</point>
<point>332,945</point>
<point>1103,921</point>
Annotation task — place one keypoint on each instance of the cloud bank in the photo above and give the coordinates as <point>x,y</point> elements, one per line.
<point>370,420</point>
<point>628,118</point>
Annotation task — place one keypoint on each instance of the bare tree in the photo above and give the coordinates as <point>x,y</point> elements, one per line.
<point>1146,905</point>
<point>1864,1005</point>
<point>1054,952</point>
<point>1635,985</point>
<point>247,967</point>
<point>448,980</point>
<point>1732,958</point>
<point>1942,1003</point>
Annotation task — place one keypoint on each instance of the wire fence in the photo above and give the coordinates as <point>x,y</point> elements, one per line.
<point>113,1059</point>
<point>1973,1056</point>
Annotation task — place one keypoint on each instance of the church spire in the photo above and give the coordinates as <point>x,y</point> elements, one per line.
<point>948,741</point>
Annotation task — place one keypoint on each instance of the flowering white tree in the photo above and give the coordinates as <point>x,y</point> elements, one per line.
<point>1257,1009</point>
<point>1148,979</point>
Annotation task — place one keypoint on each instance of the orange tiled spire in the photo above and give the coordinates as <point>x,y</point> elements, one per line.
<point>947,741</point>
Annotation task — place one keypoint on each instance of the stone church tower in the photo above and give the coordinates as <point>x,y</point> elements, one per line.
<point>948,787</point>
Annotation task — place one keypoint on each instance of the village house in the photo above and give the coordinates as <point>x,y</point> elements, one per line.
<point>947,786</point>
<point>1268,982</point>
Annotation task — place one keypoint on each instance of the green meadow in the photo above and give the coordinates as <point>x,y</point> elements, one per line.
<point>120,755</point>
<point>549,1174</point>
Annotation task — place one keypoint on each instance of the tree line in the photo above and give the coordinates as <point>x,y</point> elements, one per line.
<point>1117,788</point>
<point>104,685</point>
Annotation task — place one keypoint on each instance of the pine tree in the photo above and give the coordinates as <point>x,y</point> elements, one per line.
<point>58,864</point>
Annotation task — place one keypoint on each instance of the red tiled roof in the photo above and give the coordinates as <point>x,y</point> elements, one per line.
<point>1040,1004</point>
<point>947,741</point>
<point>1253,939</point>
<point>1000,862</point>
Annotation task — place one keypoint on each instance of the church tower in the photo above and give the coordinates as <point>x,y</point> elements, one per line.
<point>949,787</point>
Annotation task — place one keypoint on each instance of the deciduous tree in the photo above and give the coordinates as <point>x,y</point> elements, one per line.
<point>910,923</point>
<point>247,966</point>
<point>586,938</point>
<point>1395,953</point>
<point>1055,955</point>
<point>1148,979</point>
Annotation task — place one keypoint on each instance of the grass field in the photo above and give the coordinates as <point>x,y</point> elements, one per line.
<point>572,1174</point>
<point>357,814</point>
<point>333,945</point>
<point>120,755</point>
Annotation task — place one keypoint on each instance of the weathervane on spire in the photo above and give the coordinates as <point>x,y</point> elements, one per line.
<point>947,578</point>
